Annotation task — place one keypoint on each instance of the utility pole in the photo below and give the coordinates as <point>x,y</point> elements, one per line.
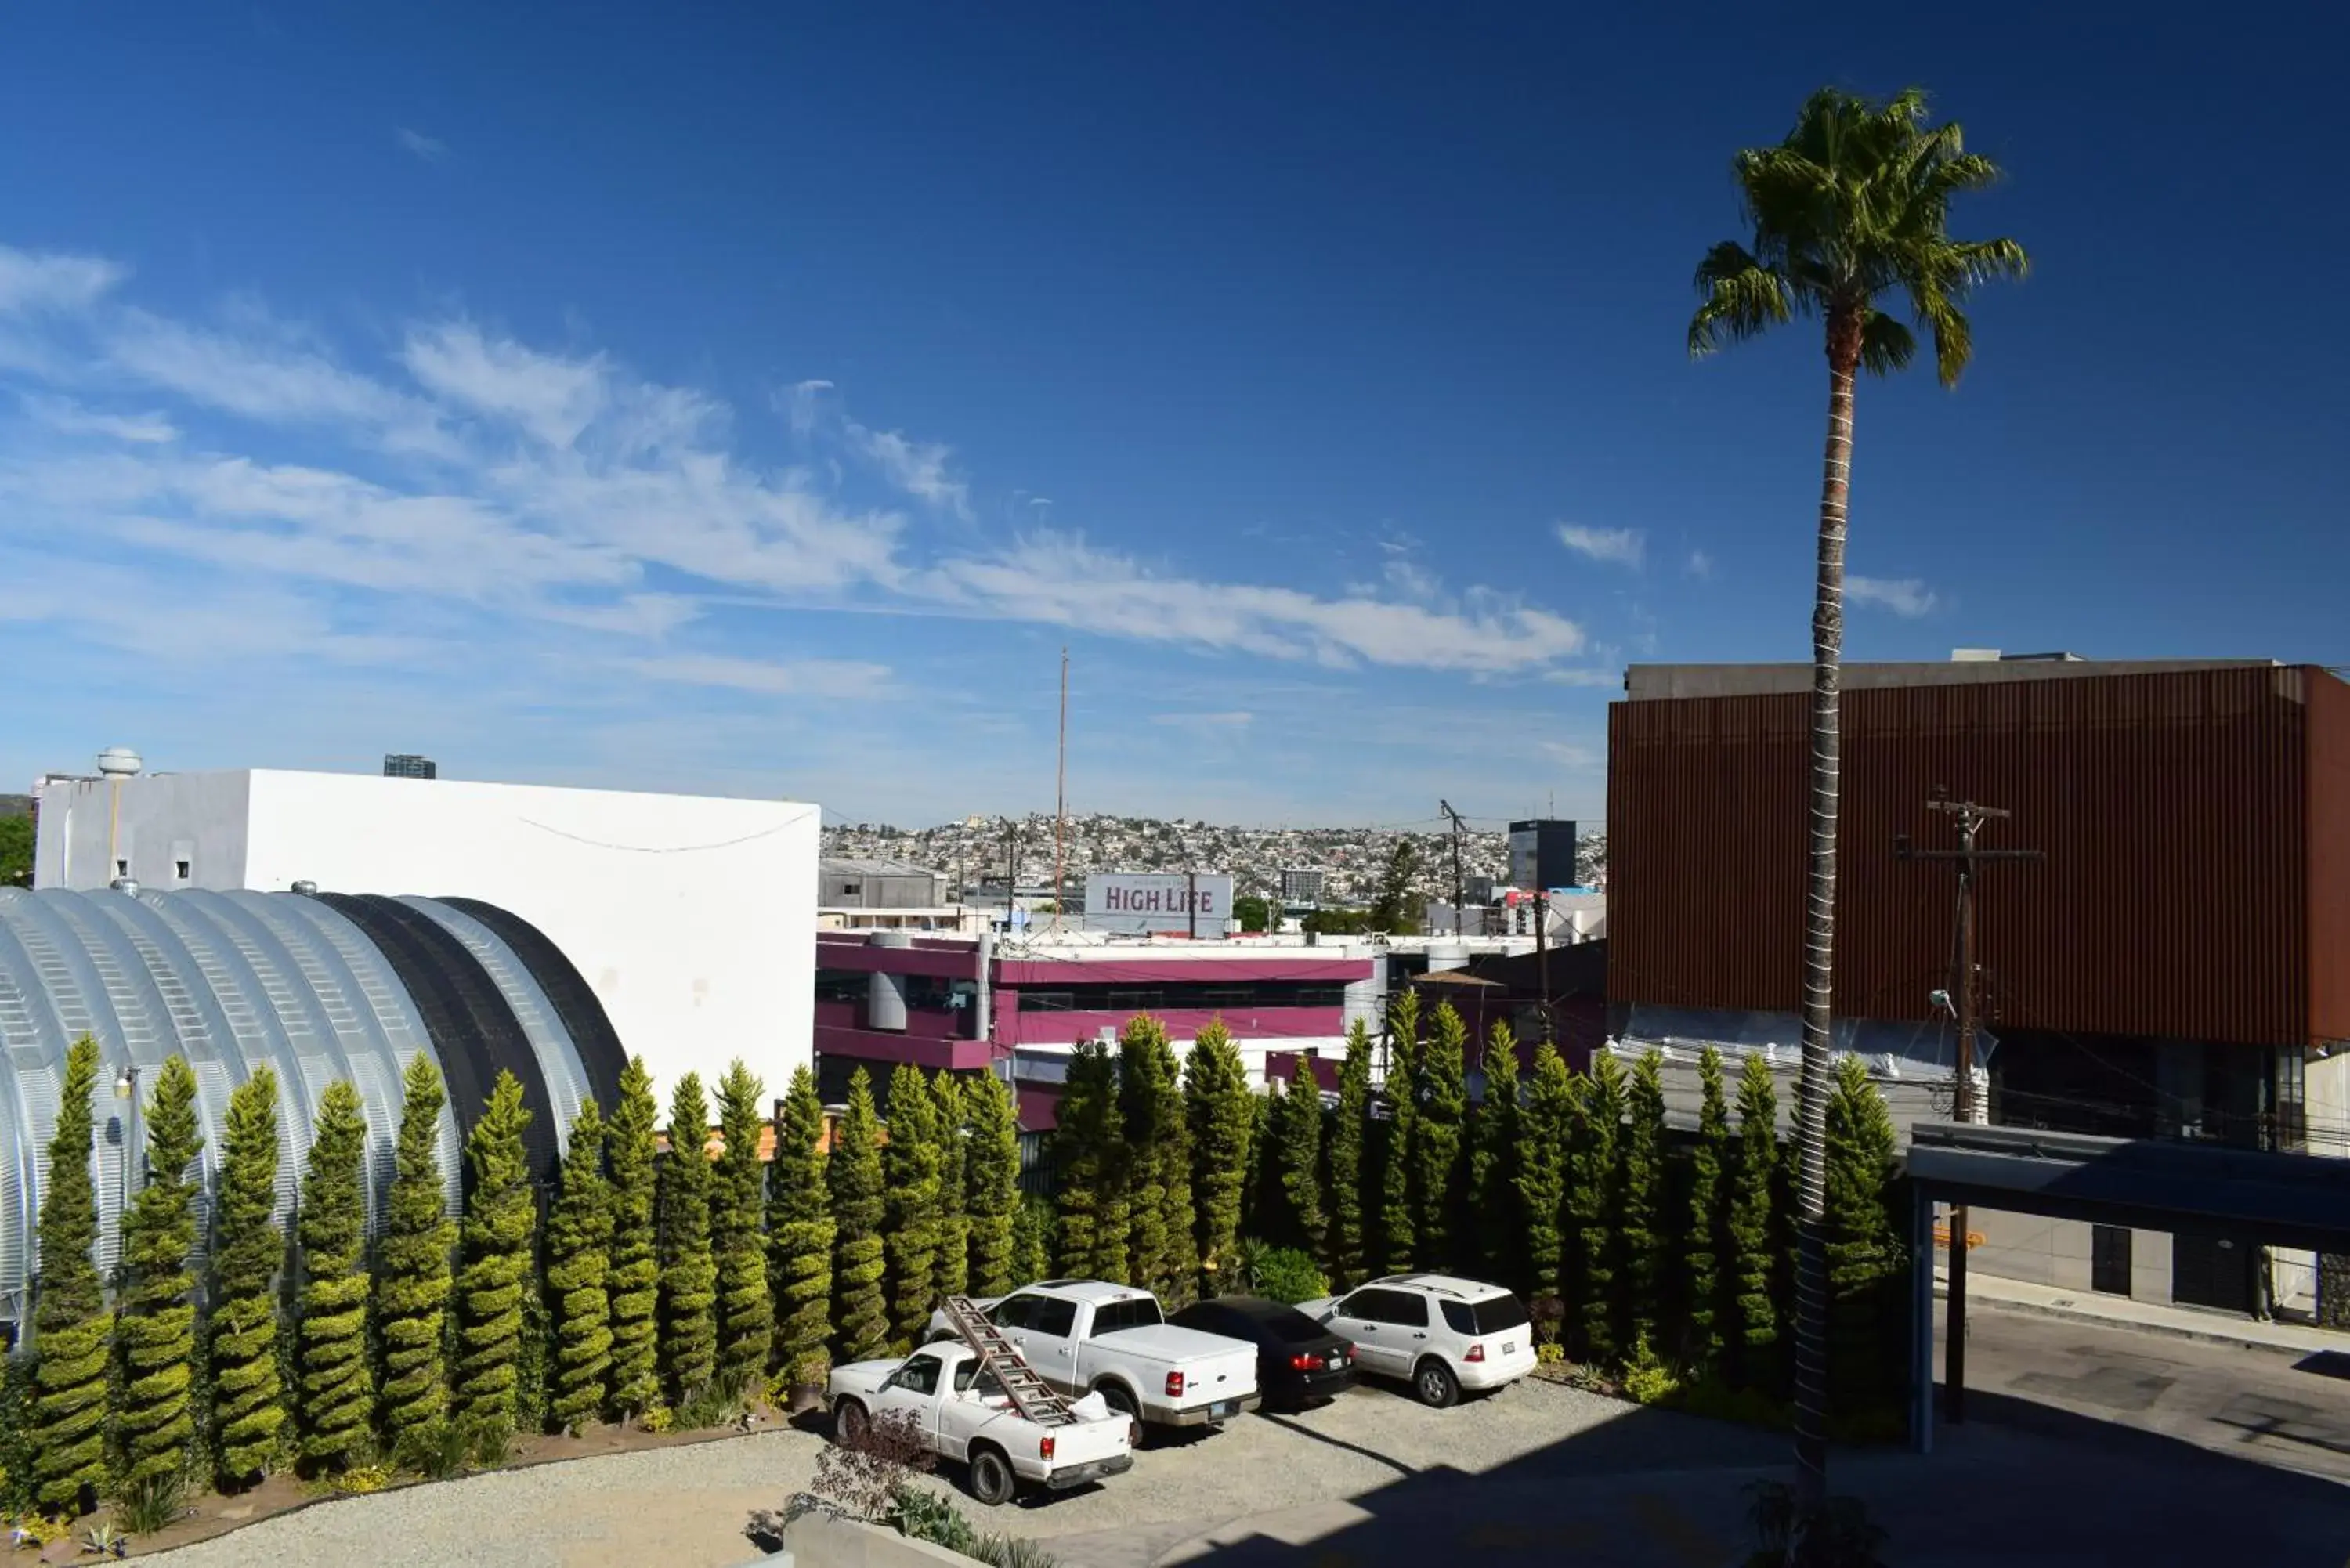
<point>1061,790</point>
<point>1541,956</point>
<point>1969,858</point>
<point>1458,889</point>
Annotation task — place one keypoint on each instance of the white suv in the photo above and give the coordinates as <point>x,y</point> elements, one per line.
<point>1442,1334</point>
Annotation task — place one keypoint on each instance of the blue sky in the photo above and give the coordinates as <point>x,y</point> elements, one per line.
<point>756,403</point>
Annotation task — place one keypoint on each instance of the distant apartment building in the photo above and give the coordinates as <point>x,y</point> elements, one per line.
<point>409,766</point>
<point>2176,966</point>
<point>1301,888</point>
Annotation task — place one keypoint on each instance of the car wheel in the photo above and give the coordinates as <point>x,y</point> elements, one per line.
<point>1434,1383</point>
<point>1119,1400</point>
<point>991,1481</point>
<point>850,1424</point>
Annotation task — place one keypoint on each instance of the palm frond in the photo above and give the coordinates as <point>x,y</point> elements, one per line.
<point>1954,342</point>
<point>1885,345</point>
<point>1740,298</point>
<point>1986,260</point>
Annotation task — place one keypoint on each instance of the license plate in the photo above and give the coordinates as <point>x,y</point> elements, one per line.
<point>1223,1408</point>
<point>1337,1362</point>
<point>1509,1347</point>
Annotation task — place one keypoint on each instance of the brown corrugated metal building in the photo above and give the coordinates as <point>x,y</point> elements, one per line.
<point>2196,824</point>
<point>2178,965</point>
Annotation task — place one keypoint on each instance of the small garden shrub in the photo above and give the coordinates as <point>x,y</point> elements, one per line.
<point>1285,1274</point>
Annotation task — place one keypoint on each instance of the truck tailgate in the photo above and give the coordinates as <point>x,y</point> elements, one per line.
<point>1086,1442</point>
<point>1217,1375</point>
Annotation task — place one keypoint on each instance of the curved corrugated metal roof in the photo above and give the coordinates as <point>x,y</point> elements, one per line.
<point>234,981</point>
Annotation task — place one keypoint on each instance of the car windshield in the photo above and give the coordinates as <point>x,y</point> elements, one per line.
<point>1109,1317</point>
<point>1496,1314</point>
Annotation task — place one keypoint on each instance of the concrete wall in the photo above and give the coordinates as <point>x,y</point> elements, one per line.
<point>693,918</point>
<point>165,818</point>
<point>819,1541</point>
<point>2057,1253</point>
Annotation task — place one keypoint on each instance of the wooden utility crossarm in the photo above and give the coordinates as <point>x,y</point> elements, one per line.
<point>1030,1393</point>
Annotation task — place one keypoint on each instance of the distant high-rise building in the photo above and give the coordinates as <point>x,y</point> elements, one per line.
<point>407,765</point>
<point>1301,886</point>
<point>1541,854</point>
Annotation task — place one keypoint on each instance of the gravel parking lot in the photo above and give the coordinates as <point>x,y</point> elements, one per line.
<point>686,1506</point>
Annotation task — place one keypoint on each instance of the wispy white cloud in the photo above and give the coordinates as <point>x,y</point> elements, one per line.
<point>67,417</point>
<point>430,148</point>
<point>1698,565</point>
<point>1615,546</point>
<point>35,281</point>
<point>1906,597</point>
<point>476,476</point>
<point>1059,580</point>
<point>1592,677</point>
<point>551,397</point>
<point>916,467</point>
<point>827,677</point>
<point>1234,719</point>
<point>1578,758</point>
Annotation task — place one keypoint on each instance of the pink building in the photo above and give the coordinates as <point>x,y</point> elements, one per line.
<point>966,1004</point>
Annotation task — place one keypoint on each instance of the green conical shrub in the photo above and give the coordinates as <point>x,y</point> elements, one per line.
<point>689,1272</point>
<point>1092,1223</point>
<point>799,1229</point>
<point>155,1316</point>
<point>1032,1242</point>
<point>1297,1145</point>
<point>578,1268</point>
<point>70,1315</point>
<point>746,1311</point>
<point>1343,1240</point>
<point>1865,1255</point>
<point>412,1271</point>
<point>861,1313</point>
<point>1436,1139</point>
<point>248,1249</point>
<point>1545,1134</point>
<point>1398,1217</point>
<point>1219,1106</point>
<point>1643,1236</point>
<point>1594,1191</point>
<point>499,1244</point>
<point>1707,1220</point>
<point>1753,1259</point>
<point>1160,1250</point>
<point>336,1400</point>
<point>632,1280</point>
<point>1494,1138</point>
<point>948,1099</point>
<point>991,1182</point>
<point>909,1163</point>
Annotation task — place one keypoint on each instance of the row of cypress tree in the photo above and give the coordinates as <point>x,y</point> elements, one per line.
<point>1565,1186</point>
<point>869,1237</point>
<point>657,1286</point>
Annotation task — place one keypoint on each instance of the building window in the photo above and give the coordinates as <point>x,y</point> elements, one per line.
<point>2292,1101</point>
<point>852,889</point>
<point>122,868</point>
<point>180,869</point>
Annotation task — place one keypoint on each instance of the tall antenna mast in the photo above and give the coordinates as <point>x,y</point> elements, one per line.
<point>1061,791</point>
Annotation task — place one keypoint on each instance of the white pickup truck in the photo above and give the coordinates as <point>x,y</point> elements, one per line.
<point>962,1413</point>
<point>1085,1337</point>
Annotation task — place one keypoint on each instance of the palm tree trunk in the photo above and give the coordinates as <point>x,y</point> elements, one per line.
<point>1819,944</point>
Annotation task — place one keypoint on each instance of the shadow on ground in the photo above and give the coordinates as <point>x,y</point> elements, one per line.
<point>2022,1484</point>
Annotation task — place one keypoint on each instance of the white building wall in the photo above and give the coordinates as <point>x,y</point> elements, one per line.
<point>693,918</point>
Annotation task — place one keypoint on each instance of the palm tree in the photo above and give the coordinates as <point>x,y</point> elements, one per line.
<point>1850,209</point>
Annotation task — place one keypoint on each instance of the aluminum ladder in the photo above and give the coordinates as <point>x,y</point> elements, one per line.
<point>1031,1395</point>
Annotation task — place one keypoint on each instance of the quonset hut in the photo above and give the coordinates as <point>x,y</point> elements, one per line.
<point>317,987</point>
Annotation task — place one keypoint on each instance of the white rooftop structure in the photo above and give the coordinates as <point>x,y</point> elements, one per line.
<point>692,917</point>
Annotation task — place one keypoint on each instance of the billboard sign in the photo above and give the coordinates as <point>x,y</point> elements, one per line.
<point>1138,902</point>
